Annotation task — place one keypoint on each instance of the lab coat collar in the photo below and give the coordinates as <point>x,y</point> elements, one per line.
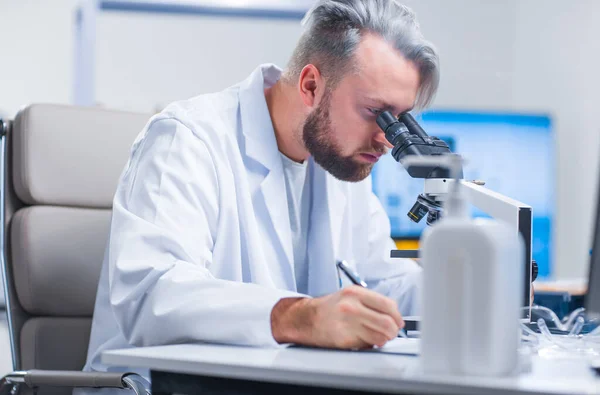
<point>257,126</point>
<point>261,145</point>
<point>328,193</point>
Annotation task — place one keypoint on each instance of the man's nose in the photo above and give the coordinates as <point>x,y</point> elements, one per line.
<point>380,138</point>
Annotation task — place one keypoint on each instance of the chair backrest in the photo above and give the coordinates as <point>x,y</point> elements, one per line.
<point>61,166</point>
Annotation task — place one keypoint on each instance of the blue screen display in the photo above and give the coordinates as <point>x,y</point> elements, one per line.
<point>512,153</point>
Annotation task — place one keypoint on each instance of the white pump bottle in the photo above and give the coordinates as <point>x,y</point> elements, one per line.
<point>472,288</point>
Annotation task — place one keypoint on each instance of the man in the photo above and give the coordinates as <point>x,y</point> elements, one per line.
<point>235,206</point>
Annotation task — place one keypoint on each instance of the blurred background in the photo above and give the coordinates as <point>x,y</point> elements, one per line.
<point>518,94</point>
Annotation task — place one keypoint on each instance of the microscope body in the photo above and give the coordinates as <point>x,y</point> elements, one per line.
<point>410,139</point>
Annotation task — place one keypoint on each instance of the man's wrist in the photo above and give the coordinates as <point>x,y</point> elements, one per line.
<point>291,320</point>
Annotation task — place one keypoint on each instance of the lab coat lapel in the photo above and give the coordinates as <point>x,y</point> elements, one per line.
<point>328,207</point>
<point>261,146</point>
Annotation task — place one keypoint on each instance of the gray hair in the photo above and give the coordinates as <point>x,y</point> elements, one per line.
<point>333,30</point>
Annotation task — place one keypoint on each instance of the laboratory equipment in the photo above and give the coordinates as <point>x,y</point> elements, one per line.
<point>411,141</point>
<point>472,275</point>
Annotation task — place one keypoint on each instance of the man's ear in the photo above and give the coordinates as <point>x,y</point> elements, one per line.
<point>311,86</point>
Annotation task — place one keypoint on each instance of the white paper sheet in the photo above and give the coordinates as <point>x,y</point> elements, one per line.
<point>399,345</point>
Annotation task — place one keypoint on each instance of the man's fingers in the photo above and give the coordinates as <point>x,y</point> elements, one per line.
<point>379,322</point>
<point>382,304</point>
<point>372,337</point>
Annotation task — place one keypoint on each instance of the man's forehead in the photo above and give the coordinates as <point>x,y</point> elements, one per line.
<point>383,73</point>
<point>384,94</point>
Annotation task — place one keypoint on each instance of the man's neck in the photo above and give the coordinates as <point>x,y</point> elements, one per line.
<point>286,121</point>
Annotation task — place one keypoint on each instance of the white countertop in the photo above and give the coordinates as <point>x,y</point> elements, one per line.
<point>352,370</point>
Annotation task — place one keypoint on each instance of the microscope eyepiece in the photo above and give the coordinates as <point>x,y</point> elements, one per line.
<point>385,120</point>
<point>395,131</point>
<point>409,138</point>
<point>412,125</point>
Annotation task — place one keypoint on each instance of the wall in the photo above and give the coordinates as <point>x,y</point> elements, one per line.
<point>556,63</point>
<point>475,40</point>
<point>537,55</point>
<point>35,39</point>
<point>199,54</point>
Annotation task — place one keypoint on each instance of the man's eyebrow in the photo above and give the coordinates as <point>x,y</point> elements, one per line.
<point>388,107</point>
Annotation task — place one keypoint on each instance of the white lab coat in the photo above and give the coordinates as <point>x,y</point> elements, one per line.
<point>200,247</point>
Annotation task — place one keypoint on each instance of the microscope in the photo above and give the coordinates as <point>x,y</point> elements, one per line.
<point>409,138</point>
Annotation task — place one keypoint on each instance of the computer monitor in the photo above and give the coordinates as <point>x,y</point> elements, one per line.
<point>592,298</point>
<point>512,153</point>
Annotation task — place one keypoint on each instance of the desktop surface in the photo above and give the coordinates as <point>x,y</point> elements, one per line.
<point>365,371</point>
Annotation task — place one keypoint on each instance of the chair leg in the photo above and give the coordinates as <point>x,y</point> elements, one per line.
<point>8,388</point>
<point>137,384</point>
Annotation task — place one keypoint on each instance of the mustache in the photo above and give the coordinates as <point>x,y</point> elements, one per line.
<point>382,149</point>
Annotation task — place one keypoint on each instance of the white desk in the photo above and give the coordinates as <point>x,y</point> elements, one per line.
<point>326,369</point>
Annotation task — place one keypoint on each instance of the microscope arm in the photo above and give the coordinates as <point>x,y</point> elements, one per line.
<point>492,203</point>
<point>516,214</point>
<point>498,206</point>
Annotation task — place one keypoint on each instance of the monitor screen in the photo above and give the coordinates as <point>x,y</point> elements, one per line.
<point>512,153</point>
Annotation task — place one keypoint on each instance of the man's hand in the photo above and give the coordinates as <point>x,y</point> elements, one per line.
<point>351,318</point>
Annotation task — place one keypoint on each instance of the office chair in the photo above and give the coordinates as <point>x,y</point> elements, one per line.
<point>59,170</point>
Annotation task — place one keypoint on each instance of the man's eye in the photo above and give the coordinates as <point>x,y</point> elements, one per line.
<point>375,111</point>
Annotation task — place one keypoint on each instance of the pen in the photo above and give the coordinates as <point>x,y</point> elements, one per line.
<point>356,280</point>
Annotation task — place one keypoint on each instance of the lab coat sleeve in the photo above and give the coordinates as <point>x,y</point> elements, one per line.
<point>165,216</point>
<point>399,279</point>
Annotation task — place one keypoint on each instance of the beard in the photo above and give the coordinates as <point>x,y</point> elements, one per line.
<point>318,139</point>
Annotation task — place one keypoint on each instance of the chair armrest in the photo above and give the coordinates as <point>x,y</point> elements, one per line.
<point>65,378</point>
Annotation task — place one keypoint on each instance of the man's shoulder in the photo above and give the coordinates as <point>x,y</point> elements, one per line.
<point>209,116</point>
